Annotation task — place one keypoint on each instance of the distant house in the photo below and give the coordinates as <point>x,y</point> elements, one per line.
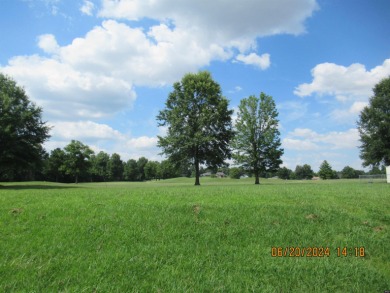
<point>220,175</point>
<point>315,178</point>
<point>205,174</point>
<point>244,176</point>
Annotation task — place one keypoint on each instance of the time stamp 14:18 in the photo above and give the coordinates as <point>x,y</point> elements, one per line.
<point>314,251</point>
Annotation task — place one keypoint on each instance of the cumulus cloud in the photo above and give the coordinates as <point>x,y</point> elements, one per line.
<point>225,20</point>
<point>307,139</point>
<point>95,75</point>
<point>87,7</point>
<point>84,129</point>
<point>296,144</point>
<point>262,62</point>
<point>350,86</point>
<point>67,93</point>
<point>354,82</point>
<point>306,146</point>
<point>48,44</point>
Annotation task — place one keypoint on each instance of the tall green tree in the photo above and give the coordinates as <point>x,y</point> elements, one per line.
<point>151,170</point>
<point>257,144</point>
<point>374,127</point>
<point>141,163</point>
<point>199,123</point>
<point>22,131</point>
<point>54,164</point>
<point>284,173</point>
<point>131,170</point>
<point>115,167</point>
<point>326,171</point>
<point>167,170</point>
<point>303,172</point>
<point>100,166</point>
<point>76,160</point>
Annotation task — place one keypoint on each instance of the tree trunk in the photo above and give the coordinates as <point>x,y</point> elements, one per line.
<point>257,181</point>
<point>197,172</point>
<point>77,178</point>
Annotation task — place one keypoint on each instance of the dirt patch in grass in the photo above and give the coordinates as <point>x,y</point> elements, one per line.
<point>378,228</point>
<point>16,211</point>
<point>312,216</point>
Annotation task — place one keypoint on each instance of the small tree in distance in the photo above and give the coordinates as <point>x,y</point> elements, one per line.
<point>303,172</point>
<point>284,173</point>
<point>76,159</point>
<point>235,173</point>
<point>326,171</point>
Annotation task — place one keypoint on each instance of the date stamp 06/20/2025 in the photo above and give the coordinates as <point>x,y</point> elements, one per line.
<point>317,251</point>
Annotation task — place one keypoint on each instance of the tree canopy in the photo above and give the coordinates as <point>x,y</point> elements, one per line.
<point>303,172</point>
<point>257,143</point>
<point>374,127</point>
<point>198,121</point>
<point>22,131</point>
<point>77,157</point>
<point>326,171</point>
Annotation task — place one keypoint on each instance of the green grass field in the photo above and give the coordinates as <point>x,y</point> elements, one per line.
<point>171,236</point>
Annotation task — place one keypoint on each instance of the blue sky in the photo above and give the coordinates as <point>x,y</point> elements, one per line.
<point>102,69</point>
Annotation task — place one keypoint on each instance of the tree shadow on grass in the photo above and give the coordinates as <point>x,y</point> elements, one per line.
<point>34,186</point>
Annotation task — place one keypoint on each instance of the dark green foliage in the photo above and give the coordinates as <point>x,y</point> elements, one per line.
<point>303,172</point>
<point>152,170</point>
<point>115,168</point>
<point>131,170</point>
<point>100,166</point>
<point>257,143</point>
<point>375,170</point>
<point>22,130</point>
<point>198,121</point>
<point>326,171</point>
<point>284,173</point>
<point>349,173</point>
<point>141,163</point>
<point>76,160</point>
<point>374,127</point>
<point>54,162</point>
<point>167,170</point>
<point>235,173</point>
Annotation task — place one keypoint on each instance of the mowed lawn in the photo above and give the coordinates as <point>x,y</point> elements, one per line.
<point>171,236</point>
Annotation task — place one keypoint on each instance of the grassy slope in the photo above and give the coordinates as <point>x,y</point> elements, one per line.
<point>172,236</point>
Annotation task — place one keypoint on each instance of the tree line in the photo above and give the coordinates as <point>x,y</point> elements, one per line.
<point>200,134</point>
<point>78,162</point>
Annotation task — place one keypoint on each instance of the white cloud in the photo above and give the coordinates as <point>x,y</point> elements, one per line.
<point>302,145</point>
<point>306,146</point>
<point>305,139</point>
<point>350,86</point>
<point>349,114</point>
<point>357,107</point>
<point>67,93</point>
<point>87,7</point>
<point>224,20</point>
<point>84,130</point>
<point>94,76</point>
<point>48,44</point>
<point>354,82</point>
<point>143,142</point>
<point>262,62</point>
<point>235,90</point>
